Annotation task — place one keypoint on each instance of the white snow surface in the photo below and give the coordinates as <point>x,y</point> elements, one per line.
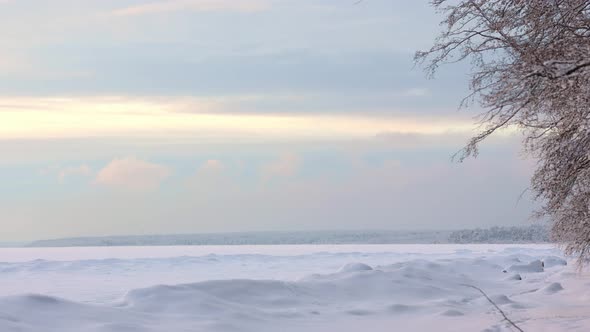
<point>291,288</point>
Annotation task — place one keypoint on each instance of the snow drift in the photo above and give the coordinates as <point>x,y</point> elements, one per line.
<point>422,294</point>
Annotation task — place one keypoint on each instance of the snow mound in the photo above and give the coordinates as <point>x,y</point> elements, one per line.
<point>402,308</point>
<point>452,313</point>
<point>359,312</point>
<point>552,288</point>
<point>219,297</point>
<point>515,276</point>
<point>552,261</point>
<point>535,266</point>
<point>355,267</point>
<point>419,291</point>
<point>501,299</point>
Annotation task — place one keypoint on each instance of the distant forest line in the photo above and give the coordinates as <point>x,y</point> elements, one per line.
<point>499,234</point>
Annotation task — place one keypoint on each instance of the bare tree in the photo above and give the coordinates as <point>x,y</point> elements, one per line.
<point>530,71</point>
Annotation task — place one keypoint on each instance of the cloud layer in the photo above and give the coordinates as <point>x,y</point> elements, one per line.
<point>163,6</point>
<point>243,115</point>
<point>132,174</point>
<point>342,186</point>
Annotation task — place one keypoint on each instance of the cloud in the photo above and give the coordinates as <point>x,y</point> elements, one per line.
<point>350,185</point>
<point>212,165</point>
<point>132,174</point>
<point>10,63</point>
<point>287,165</point>
<point>83,170</point>
<point>193,5</point>
<point>211,169</point>
<point>450,139</point>
<point>221,118</point>
<point>211,179</point>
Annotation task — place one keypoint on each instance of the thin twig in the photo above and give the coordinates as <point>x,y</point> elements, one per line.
<point>495,305</point>
<point>521,196</point>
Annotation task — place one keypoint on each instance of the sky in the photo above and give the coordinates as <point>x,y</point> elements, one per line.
<point>191,116</point>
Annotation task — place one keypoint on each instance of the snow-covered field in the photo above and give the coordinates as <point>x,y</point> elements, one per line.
<point>291,288</point>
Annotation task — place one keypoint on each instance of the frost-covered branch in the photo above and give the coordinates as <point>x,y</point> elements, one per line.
<point>531,71</point>
<point>496,306</point>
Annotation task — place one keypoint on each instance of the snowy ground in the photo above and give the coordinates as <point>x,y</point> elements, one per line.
<point>291,288</point>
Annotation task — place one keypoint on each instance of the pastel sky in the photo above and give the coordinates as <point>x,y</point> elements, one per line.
<point>186,116</point>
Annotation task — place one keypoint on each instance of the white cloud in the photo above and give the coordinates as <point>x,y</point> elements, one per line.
<point>408,190</point>
<point>194,5</point>
<point>214,118</point>
<point>210,170</point>
<point>82,170</point>
<point>287,165</point>
<point>212,165</point>
<point>132,174</point>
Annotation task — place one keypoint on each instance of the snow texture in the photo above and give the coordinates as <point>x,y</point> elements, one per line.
<point>290,288</point>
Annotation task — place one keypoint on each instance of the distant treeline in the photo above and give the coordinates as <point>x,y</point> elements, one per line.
<point>255,238</point>
<point>526,234</point>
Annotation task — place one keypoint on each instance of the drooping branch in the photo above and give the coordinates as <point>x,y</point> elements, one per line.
<point>531,72</point>
<point>495,306</point>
